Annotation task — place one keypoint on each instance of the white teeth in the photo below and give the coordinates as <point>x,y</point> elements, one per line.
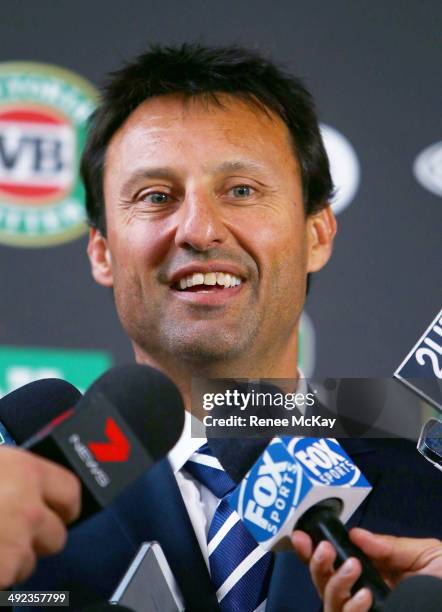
<point>198,279</point>
<point>209,278</point>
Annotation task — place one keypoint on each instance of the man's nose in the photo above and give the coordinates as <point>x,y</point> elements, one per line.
<point>200,225</point>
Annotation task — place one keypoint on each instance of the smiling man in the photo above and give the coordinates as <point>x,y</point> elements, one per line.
<point>208,192</point>
<point>207,232</point>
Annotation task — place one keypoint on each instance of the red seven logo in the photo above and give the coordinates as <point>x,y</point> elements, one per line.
<point>118,447</point>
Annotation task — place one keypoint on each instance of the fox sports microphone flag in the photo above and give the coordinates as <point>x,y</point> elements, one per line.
<point>291,476</point>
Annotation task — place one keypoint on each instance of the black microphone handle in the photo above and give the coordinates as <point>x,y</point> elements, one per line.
<point>322,523</point>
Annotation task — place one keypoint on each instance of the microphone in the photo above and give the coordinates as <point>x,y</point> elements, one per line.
<point>430,442</point>
<point>148,584</point>
<point>423,593</point>
<point>421,370</point>
<point>128,419</point>
<point>305,483</point>
<point>27,409</point>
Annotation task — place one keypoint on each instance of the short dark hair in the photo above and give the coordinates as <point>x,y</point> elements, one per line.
<point>196,70</point>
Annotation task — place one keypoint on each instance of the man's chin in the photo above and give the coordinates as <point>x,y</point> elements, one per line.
<point>206,353</point>
<point>208,348</point>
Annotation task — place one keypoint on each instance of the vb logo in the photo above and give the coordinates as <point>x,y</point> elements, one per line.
<point>43,115</point>
<point>37,154</point>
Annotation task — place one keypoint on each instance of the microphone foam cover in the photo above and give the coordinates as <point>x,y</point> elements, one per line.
<point>147,400</point>
<point>237,455</point>
<point>26,410</point>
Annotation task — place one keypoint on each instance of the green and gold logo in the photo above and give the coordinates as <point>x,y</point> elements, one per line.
<point>43,115</point>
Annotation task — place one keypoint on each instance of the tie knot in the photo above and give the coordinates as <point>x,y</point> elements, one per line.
<point>206,468</point>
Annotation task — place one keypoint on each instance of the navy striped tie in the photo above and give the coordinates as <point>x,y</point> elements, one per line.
<point>239,567</point>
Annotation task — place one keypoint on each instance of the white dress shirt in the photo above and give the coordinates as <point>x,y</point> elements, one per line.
<point>200,502</point>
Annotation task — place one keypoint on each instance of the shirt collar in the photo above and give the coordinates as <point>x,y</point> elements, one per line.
<point>187,445</point>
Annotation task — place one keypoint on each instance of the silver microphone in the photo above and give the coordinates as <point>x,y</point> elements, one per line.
<point>430,442</point>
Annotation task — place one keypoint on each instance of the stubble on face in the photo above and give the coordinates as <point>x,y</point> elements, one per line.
<point>265,240</point>
<point>188,340</point>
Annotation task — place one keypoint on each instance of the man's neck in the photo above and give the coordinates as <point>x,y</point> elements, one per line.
<point>182,372</point>
<point>277,362</point>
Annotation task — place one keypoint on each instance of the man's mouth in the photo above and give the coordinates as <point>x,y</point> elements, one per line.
<point>208,281</point>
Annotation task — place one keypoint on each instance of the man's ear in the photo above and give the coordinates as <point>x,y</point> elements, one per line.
<point>100,258</point>
<point>321,230</point>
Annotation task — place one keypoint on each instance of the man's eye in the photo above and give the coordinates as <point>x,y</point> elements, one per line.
<point>155,197</point>
<point>242,191</point>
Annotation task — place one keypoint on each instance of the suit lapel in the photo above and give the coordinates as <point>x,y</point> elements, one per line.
<point>153,509</point>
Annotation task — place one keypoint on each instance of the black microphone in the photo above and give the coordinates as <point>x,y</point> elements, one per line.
<point>422,593</point>
<point>128,419</point>
<point>322,522</point>
<point>303,483</point>
<point>27,409</point>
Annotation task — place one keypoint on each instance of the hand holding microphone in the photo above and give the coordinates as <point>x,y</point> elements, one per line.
<point>395,558</point>
<point>129,418</point>
<point>303,483</point>
<point>37,500</point>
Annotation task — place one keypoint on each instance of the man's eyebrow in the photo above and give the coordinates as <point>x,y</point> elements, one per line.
<point>163,172</point>
<point>237,166</point>
<point>169,174</point>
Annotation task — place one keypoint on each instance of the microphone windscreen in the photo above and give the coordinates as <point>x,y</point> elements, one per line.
<point>147,400</point>
<point>422,593</point>
<point>237,455</point>
<point>26,410</point>
<point>360,402</point>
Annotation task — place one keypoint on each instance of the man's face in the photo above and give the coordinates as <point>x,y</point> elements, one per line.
<point>196,192</point>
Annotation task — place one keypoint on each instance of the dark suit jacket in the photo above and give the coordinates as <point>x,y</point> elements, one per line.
<point>406,500</point>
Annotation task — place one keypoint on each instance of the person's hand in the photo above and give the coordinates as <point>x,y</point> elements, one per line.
<point>395,559</point>
<point>37,499</point>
